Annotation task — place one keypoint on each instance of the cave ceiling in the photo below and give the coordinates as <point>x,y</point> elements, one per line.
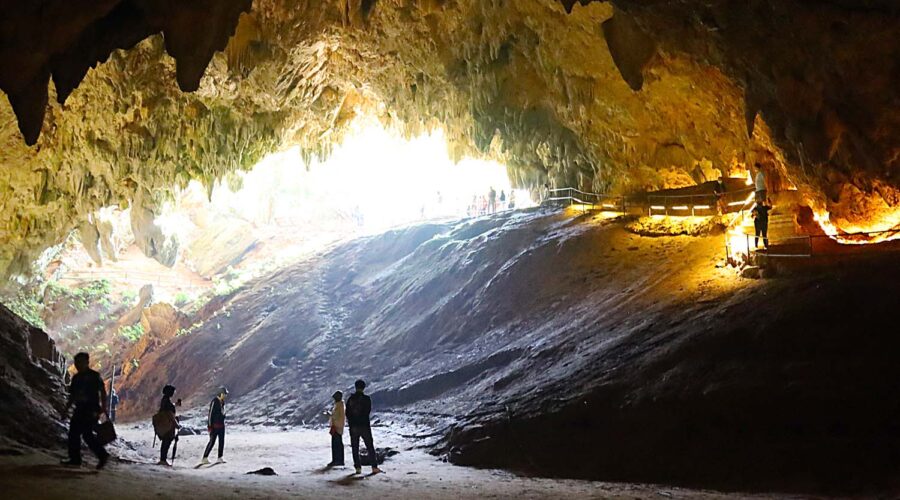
<point>117,102</point>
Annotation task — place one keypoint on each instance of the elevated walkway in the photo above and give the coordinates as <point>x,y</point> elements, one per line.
<point>699,200</point>
<point>792,232</point>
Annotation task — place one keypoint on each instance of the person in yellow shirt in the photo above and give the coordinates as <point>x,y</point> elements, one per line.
<point>337,430</point>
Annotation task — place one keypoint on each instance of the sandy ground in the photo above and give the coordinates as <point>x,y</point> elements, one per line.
<point>298,457</point>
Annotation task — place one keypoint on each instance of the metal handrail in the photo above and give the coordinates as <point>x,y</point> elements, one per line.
<point>599,198</point>
<point>134,276</point>
<point>710,195</point>
<point>808,238</point>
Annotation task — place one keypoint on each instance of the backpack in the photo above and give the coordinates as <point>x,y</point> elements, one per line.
<point>164,424</point>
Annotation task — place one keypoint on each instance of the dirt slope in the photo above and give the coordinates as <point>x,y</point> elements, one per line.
<point>564,345</point>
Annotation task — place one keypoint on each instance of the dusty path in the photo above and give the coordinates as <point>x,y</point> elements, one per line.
<point>298,456</point>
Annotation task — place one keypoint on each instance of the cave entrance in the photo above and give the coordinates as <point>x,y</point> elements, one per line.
<point>211,239</point>
<point>373,180</point>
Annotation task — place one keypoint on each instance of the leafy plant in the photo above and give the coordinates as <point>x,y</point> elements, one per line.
<point>82,298</point>
<point>128,297</point>
<point>132,333</point>
<point>181,299</point>
<point>95,292</point>
<point>27,307</point>
<point>189,330</point>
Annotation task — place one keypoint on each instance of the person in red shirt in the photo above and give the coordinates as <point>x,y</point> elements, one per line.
<point>215,424</point>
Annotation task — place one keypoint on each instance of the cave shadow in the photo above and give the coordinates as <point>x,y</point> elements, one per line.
<point>326,469</point>
<point>49,471</point>
<point>348,480</point>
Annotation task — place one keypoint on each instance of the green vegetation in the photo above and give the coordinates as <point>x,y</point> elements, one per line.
<point>189,330</point>
<point>129,297</point>
<point>93,293</point>
<point>181,299</point>
<point>132,333</point>
<point>27,306</point>
<point>104,348</point>
<point>230,281</point>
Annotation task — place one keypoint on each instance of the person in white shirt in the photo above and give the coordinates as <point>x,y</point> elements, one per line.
<point>337,430</point>
<point>760,182</point>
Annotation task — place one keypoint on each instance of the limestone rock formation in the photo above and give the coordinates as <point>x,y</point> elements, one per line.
<point>31,383</point>
<point>219,244</point>
<point>161,323</point>
<point>810,89</point>
<point>150,237</point>
<point>89,236</point>
<point>134,315</point>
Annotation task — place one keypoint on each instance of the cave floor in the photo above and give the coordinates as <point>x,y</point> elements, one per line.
<point>298,456</point>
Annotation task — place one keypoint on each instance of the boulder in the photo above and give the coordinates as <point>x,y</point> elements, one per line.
<point>134,315</point>
<point>751,272</point>
<point>161,323</point>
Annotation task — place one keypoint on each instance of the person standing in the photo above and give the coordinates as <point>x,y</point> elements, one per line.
<point>719,189</point>
<point>761,222</point>
<point>492,200</point>
<point>113,403</point>
<point>502,199</point>
<point>760,183</point>
<point>167,419</point>
<point>87,393</point>
<point>215,424</point>
<point>337,430</point>
<point>359,408</point>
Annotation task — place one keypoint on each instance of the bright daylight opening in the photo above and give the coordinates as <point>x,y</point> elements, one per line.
<point>253,222</point>
<point>375,179</point>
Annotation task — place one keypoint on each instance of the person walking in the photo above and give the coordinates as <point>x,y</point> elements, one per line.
<point>165,423</point>
<point>337,430</point>
<point>359,408</point>
<point>215,424</point>
<point>87,393</point>
<point>761,222</point>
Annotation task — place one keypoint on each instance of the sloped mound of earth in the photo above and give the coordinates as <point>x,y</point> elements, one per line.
<point>565,345</point>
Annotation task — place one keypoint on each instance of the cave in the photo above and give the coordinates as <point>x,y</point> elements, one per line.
<point>576,248</point>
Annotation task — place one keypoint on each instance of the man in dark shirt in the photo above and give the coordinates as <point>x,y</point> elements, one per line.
<point>166,405</point>
<point>215,424</point>
<point>359,407</point>
<point>761,222</point>
<point>88,394</point>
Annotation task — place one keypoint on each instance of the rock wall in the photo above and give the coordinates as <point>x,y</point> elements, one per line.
<point>548,86</point>
<point>31,383</point>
